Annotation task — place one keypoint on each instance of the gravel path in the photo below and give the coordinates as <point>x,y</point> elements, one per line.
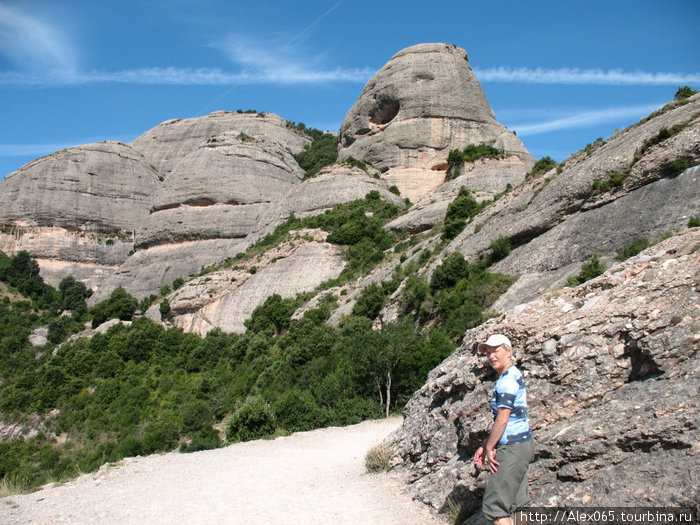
<point>315,477</point>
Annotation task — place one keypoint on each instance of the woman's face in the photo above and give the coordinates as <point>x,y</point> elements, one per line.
<point>499,357</point>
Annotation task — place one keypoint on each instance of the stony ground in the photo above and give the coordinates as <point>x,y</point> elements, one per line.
<point>307,478</point>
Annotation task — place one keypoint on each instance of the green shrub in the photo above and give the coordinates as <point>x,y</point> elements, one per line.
<point>663,134</point>
<point>372,299</point>
<point>684,92</point>
<point>164,310</point>
<point>541,166</point>
<point>205,439</point>
<point>615,181</point>
<point>395,190</point>
<point>253,420</point>
<point>453,269</point>
<point>500,248</point>
<point>178,282</point>
<point>130,447</point>
<point>297,410</point>
<point>274,315</point>
<point>461,305</point>
<point>354,163</point>
<point>589,269</point>
<point>632,249</point>
<point>414,293</point>
<point>678,166</point>
<point>120,305</point>
<point>464,208</point>
<point>323,151</point>
<point>474,152</point>
<point>590,148</point>
<point>694,222</point>
<point>196,415</point>
<point>159,437</point>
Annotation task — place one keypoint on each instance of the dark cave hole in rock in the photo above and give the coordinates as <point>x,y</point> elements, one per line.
<point>385,111</point>
<point>643,365</point>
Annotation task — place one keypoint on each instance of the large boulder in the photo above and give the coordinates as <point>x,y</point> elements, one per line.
<point>221,186</point>
<point>76,210</point>
<point>612,373</point>
<point>105,187</point>
<point>168,144</point>
<point>423,103</point>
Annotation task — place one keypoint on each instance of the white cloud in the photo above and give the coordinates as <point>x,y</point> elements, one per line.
<point>584,76</point>
<point>33,44</point>
<point>188,77</point>
<point>584,119</point>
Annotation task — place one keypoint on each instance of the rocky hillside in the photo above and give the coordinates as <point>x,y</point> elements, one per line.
<point>612,373</point>
<point>193,194</point>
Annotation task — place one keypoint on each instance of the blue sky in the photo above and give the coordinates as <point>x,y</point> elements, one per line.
<point>561,74</point>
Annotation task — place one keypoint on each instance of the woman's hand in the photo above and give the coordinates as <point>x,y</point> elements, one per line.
<point>491,458</point>
<point>479,457</point>
<point>487,452</point>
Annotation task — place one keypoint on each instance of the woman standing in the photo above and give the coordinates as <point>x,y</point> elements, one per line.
<point>509,447</point>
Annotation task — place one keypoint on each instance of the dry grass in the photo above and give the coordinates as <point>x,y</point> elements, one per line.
<point>10,487</point>
<point>378,457</point>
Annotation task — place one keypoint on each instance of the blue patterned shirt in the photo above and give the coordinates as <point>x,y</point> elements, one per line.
<point>509,392</point>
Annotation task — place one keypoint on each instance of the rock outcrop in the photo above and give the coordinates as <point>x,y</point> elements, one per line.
<point>105,187</point>
<point>76,210</point>
<point>221,186</point>
<point>423,103</point>
<point>557,220</point>
<point>612,374</point>
<point>226,298</point>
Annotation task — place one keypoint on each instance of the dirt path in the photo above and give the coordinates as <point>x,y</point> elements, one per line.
<point>307,478</point>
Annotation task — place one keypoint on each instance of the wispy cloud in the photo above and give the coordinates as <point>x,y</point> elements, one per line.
<point>187,77</point>
<point>256,63</point>
<point>30,43</point>
<point>44,57</point>
<point>584,119</point>
<point>583,76</point>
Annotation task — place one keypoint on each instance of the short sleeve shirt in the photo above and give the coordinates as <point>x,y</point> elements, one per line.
<point>509,392</point>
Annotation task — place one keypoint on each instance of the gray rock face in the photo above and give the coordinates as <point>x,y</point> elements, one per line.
<point>105,187</point>
<point>147,270</point>
<point>333,186</point>
<point>88,257</point>
<point>648,212</point>
<point>75,211</point>
<point>484,179</point>
<point>556,221</point>
<point>423,103</point>
<point>221,186</point>
<point>226,298</point>
<point>168,144</point>
<point>612,375</point>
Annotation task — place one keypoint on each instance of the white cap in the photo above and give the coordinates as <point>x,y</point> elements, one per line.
<point>494,341</point>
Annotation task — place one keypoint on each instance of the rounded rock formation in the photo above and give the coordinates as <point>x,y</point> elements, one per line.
<point>104,187</point>
<point>423,103</point>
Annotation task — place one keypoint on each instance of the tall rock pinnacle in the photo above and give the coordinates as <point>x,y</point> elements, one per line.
<point>425,102</point>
